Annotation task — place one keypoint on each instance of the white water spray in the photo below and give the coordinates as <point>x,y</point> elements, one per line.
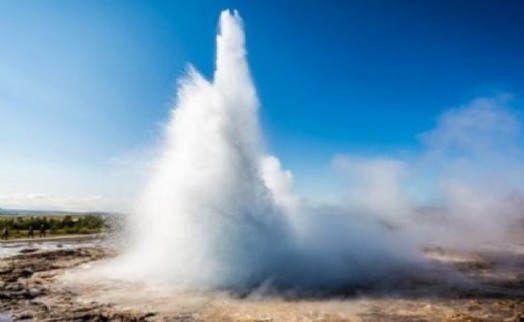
<point>207,219</point>
<point>219,213</point>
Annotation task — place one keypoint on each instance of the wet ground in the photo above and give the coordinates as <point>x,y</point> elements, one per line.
<point>33,287</point>
<point>15,246</point>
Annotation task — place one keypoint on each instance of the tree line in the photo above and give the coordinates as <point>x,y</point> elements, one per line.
<point>58,225</point>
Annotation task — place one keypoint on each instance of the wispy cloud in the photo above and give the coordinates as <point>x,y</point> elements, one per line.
<point>52,202</point>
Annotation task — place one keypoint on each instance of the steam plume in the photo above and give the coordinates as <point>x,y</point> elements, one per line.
<point>220,213</point>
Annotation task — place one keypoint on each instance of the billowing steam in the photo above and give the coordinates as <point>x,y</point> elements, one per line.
<point>464,189</point>
<point>220,213</point>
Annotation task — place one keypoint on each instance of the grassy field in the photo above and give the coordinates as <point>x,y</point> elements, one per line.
<point>54,225</point>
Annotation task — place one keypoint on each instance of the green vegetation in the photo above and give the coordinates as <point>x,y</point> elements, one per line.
<point>54,225</point>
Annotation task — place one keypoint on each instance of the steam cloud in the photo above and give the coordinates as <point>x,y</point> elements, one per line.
<point>220,213</point>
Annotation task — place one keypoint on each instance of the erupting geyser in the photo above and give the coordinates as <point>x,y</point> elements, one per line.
<point>207,218</point>
<point>218,212</point>
<point>210,218</point>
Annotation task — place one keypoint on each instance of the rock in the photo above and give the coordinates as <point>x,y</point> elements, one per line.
<point>26,273</point>
<point>24,316</point>
<point>27,294</point>
<point>6,270</point>
<point>35,292</point>
<point>14,287</point>
<point>28,250</point>
<point>10,279</point>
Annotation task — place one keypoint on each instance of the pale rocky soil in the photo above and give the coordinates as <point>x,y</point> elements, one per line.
<point>32,289</point>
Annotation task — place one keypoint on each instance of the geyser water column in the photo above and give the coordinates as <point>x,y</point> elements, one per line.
<point>218,213</point>
<point>206,219</point>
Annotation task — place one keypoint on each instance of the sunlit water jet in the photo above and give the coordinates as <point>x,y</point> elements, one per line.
<point>219,212</point>
<point>207,219</point>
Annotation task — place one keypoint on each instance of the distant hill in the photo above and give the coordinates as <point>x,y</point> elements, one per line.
<point>25,212</point>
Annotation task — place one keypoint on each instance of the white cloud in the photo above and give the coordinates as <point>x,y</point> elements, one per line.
<point>33,201</point>
<point>34,184</point>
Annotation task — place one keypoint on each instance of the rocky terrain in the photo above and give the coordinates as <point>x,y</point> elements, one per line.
<point>29,291</point>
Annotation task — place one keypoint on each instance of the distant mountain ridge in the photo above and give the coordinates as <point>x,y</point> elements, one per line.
<point>26,212</point>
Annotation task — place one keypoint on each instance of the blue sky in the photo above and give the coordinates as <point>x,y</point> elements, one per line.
<point>85,83</point>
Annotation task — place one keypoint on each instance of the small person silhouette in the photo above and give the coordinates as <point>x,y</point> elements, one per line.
<point>5,234</point>
<point>42,231</point>
<point>31,233</point>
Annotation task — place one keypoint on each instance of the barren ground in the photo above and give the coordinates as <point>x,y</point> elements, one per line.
<point>32,288</point>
